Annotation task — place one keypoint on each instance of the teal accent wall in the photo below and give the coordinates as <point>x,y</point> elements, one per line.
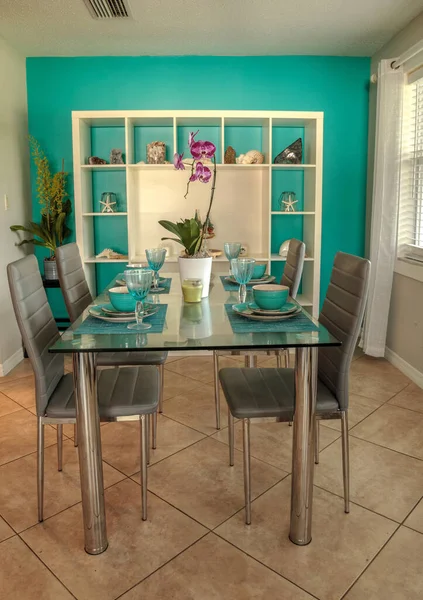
<point>338,86</point>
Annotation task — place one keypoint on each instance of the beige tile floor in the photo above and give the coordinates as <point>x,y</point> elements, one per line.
<point>195,545</point>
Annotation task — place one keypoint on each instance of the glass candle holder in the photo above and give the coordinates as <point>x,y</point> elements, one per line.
<point>192,290</point>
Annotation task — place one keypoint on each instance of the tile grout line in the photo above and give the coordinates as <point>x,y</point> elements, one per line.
<point>370,562</point>
<point>264,565</point>
<point>62,510</point>
<point>385,447</point>
<point>48,568</point>
<point>164,564</point>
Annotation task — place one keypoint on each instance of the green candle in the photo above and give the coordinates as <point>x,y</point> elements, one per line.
<point>192,290</point>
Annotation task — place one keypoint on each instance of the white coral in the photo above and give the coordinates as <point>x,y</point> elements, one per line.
<point>252,157</point>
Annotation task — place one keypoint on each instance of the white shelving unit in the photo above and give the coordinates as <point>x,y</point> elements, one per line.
<point>245,207</point>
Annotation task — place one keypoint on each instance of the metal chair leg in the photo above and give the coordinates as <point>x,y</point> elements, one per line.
<point>216,388</point>
<point>316,440</point>
<point>147,435</point>
<point>278,359</point>
<point>231,438</point>
<point>345,459</point>
<point>161,393</point>
<point>40,469</point>
<point>251,361</point>
<point>59,447</point>
<point>154,430</point>
<point>75,435</point>
<point>144,446</point>
<point>286,358</point>
<point>247,469</point>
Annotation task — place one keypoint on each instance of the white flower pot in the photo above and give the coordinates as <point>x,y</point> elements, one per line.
<point>196,268</point>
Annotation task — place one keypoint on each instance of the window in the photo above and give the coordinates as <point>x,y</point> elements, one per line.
<point>410,221</point>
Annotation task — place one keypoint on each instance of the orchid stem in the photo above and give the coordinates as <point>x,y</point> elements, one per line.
<point>203,233</point>
<point>189,179</point>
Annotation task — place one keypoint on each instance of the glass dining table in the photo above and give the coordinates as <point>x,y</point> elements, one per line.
<point>190,328</point>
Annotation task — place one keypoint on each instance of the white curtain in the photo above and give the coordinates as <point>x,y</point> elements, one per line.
<point>385,202</point>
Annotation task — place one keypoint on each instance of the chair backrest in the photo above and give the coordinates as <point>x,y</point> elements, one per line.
<point>37,326</point>
<point>342,314</point>
<point>72,279</point>
<point>294,264</point>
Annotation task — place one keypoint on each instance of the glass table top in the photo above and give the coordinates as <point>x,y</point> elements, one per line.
<point>200,326</point>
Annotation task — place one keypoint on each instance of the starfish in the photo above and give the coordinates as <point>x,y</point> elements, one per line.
<point>108,206</point>
<point>289,205</point>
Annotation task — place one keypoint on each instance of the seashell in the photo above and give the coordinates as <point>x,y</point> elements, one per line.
<point>252,157</point>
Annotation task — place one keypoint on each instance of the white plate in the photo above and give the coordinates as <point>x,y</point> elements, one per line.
<point>288,308</point>
<point>96,312</point>
<point>266,279</point>
<point>244,311</point>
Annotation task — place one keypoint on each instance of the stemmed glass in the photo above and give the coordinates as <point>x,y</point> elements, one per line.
<point>156,258</point>
<point>139,283</point>
<point>242,268</point>
<point>232,250</point>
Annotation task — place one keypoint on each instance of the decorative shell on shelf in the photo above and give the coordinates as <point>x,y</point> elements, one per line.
<point>252,157</point>
<point>96,160</point>
<point>109,253</point>
<point>230,156</point>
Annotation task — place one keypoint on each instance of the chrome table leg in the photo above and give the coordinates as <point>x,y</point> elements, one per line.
<point>89,450</point>
<point>216,388</point>
<point>59,447</point>
<point>303,446</point>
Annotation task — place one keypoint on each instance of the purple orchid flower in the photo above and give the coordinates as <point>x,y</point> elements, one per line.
<point>177,161</point>
<point>191,137</point>
<point>201,173</point>
<point>202,149</point>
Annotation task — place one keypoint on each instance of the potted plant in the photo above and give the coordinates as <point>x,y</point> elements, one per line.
<point>52,230</point>
<point>195,263</point>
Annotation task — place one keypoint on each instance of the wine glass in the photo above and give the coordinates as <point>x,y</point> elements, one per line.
<point>139,283</point>
<point>156,258</point>
<point>242,268</point>
<point>232,250</point>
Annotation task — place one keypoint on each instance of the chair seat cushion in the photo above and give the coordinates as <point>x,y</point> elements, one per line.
<point>253,393</point>
<point>133,359</point>
<point>121,393</point>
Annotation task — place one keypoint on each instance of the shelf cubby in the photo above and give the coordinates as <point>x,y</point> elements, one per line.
<point>143,131</point>
<point>209,128</point>
<point>247,134</point>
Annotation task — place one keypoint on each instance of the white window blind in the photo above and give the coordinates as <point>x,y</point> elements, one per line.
<point>410,219</point>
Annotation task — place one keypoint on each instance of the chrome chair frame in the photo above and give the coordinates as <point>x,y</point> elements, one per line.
<point>346,320</point>
<point>39,331</point>
<point>291,278</point>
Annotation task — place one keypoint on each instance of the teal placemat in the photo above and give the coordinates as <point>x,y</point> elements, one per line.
<point>93,326</point>
<point>296,324</point>
<point>165,283</point>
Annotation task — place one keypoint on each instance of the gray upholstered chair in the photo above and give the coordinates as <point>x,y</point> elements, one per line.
<point>291,277</point>
<point>77,297</point>
<point>253,393</point>
<point>54,390</point>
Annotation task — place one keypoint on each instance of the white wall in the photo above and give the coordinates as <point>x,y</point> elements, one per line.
<point>405,328</point>
<point>14,181</point>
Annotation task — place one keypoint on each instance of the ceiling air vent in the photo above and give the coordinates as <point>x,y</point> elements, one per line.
<point>108,9</point>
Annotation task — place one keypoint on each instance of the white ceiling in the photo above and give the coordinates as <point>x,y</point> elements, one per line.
<point>214,27</point>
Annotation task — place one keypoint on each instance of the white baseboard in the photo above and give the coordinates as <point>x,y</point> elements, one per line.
<point>11,362</point>
<point>404,367</point>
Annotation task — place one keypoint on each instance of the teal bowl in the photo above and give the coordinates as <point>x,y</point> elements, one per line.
<point>270,296</point>
<point>121,299</point>
<point>259,270</point>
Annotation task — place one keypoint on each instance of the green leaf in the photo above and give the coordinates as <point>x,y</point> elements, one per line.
<point>173,240</point>
<point>172,227</point>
